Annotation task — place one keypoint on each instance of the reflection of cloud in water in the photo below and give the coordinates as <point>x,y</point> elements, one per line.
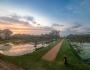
<point>21,49</point>
<point>5,47</point>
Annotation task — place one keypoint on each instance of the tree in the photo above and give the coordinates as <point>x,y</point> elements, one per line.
<point>7,33</point>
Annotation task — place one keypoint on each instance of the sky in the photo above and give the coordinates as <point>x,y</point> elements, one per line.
<point>42,16</point>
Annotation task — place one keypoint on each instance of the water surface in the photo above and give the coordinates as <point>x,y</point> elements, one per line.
<point>19,49</point>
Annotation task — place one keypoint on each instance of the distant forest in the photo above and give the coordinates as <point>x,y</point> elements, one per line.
<point>79,38</point>
<point>6,35</point>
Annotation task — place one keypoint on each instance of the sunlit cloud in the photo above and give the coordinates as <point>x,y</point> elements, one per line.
<point>20,28</point>
<point>24,15</point>
<point>22,22</point>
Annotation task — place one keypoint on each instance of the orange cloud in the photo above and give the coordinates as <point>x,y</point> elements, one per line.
<point>20,28</point>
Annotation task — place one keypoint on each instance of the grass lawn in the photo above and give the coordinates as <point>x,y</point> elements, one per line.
<point>34,62</point>
<point>74,62</point>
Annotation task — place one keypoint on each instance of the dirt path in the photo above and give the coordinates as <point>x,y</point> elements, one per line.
<point>8,66</point>
<point>51,55</point>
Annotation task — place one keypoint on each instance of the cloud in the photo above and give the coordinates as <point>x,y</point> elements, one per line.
<point>76,25</point>
<point>59,27</point>
<point>14,18</point>
<point>22,25</point>
<point>73,28</point>
<point>27,20</point>
<point>23,29</point>
<point>48,28</point>
<point>57,24</point>
<point>31,18</point>
<point>84,29</point>
<point>78,29</point>
<point>9,19</point>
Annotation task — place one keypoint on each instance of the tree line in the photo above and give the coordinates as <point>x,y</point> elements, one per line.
<point>79,37</point>
<point>7,34</point>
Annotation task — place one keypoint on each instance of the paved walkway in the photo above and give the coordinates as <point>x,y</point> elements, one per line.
<point>52,54</point>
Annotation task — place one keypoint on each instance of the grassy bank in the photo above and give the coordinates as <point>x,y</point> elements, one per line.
<point>34,62</point>
<point>74,62</point>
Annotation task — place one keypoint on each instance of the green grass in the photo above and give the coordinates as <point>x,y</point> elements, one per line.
<point>74,61</point>
<point>34,62</point>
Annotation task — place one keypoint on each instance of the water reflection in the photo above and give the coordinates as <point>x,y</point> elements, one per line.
<point>18,49</point>
<point>85,49</point>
